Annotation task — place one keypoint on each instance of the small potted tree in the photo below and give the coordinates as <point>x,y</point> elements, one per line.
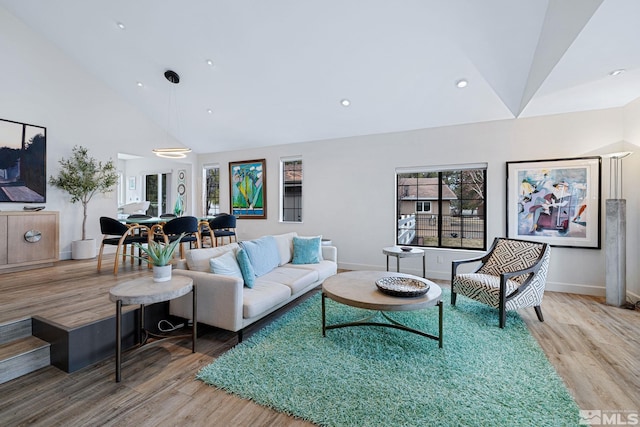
<point>83,177</point>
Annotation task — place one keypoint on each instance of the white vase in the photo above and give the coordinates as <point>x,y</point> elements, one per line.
<point>162,273</point>
<point>83,249</point>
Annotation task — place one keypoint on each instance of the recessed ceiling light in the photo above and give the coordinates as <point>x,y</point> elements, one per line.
<point>139,84</point>
<point>462,83</point>
<point>210,63</point>
<point>121,25</point>
<point>210,111</point>
<point>345,102</point>
<point>617,72</point>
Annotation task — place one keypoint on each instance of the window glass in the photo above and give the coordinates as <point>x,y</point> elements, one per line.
<point>442,208</point>
<point>211,190</point>
<point>291,190</point>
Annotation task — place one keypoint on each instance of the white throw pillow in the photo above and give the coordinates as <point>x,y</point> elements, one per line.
<point>226,264</point>
<point>285,246</point>
<point>198,259</point>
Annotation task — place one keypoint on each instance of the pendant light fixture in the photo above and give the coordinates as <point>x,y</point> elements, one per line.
<point>173,152</point>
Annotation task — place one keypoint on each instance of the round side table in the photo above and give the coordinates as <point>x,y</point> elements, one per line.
<point>395,251</point>
<point>145,291</point>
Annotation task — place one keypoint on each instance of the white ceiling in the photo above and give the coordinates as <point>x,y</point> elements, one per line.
<point>281,67</point>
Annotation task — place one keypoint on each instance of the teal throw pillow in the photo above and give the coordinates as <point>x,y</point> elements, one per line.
<point>263,254</point>
<point>226,264</point>
<point>248,274</point>
<point>307,250</point>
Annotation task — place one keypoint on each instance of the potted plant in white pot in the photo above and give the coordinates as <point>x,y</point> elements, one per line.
<point>83,177</point>
<point>159,255</point>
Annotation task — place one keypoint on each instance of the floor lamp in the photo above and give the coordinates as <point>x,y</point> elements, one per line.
<point>616,234</point>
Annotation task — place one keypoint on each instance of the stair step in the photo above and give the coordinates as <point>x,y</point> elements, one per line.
<point>16,329</point>
<point>22,356</point>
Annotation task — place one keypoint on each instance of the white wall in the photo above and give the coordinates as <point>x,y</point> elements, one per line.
<point>348,190</point>
<point>138,168</point>
<point>41,86</point>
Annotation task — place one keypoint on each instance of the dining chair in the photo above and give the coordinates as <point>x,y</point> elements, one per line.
<point>223,226</point>
<point>205,232</point>
<point>174,228</point>
<point>118,234</point>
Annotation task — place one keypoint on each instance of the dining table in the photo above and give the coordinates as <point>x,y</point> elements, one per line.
<point>145,221</point>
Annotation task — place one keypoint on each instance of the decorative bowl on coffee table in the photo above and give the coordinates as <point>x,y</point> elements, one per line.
<point>399,286</point>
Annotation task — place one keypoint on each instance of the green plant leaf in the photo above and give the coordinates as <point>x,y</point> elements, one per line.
<point>158,254</point>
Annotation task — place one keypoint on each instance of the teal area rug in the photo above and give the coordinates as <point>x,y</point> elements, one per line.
<point>373,376</point>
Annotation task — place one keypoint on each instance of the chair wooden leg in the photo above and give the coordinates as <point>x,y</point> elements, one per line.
<point>117,259</point>
<point>100,256</point>
<point>538,310</point>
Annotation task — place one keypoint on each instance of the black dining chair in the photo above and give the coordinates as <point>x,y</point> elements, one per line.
<point>205,232</point>
<point>223,226</point>
<point>173,229</point>
<point>120,235</point>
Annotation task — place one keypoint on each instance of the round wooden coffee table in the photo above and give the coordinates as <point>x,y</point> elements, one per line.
<point>358,289</point>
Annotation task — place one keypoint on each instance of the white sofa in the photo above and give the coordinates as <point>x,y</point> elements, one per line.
<point>225,302</point>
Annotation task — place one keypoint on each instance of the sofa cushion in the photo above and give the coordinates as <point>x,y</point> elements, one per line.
<point>248,275</point>
<point>262,297</point>
<point>323,268</point>
<point>306,250</point>
<point>198,259</point>
<point>263,254</point>
<point>295,278</point>
<point>226,264</point>
<point>285,246</point>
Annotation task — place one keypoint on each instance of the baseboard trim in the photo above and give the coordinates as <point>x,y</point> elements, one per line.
<point>569,288</point>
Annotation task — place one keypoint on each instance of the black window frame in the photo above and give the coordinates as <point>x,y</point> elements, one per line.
<point>291,190</point>
<point>459,220</point>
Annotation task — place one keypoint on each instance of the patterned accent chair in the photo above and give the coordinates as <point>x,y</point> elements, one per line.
<point>511,275</point>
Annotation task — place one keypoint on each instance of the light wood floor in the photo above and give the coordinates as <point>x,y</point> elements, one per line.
<point>595,349</point>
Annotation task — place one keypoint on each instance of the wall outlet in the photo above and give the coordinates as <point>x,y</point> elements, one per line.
<point>439,259</point>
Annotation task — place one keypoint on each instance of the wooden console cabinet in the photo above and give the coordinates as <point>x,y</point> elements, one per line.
<point>28,239</point>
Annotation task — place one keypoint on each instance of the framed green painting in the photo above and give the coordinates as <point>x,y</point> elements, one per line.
<point>248,189</point>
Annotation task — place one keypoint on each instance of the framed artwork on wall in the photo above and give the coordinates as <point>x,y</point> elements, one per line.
<point>132,183</point>
<point>181,200</point>
<point>248,189</point>
<point>555,201</point>
<point>23,162</point>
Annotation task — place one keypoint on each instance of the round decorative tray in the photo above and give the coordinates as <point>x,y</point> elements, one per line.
<point>402,286</point>
<point>406,248</point>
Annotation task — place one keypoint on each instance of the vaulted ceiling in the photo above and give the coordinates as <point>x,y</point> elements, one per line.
<point>257,73</point>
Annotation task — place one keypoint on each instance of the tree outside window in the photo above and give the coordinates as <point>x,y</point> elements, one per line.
<point>211,190</point>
